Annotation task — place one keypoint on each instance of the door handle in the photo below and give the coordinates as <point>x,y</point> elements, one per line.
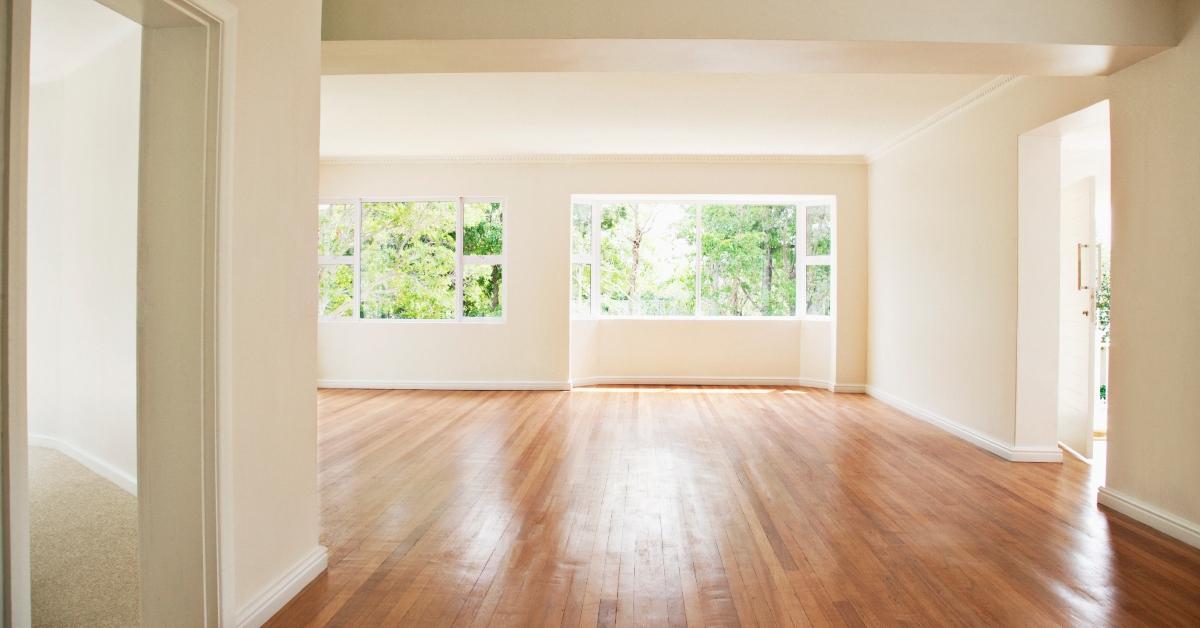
<point>1079,266</point>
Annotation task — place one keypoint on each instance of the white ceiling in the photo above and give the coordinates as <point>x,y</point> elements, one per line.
<point>65,33</point>
<point>408,115</point>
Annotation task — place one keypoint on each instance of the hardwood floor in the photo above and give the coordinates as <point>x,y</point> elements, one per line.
<point>716,507</point>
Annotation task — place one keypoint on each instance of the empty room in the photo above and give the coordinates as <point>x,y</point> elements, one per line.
<point>602,313</point>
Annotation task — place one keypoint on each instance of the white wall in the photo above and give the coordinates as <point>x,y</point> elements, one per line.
<point>83,195</point>
<point>270,526</point>
<point>943,258</point>
<point>1154,408</point>
<point>533,345</point>
<point>649,349</point>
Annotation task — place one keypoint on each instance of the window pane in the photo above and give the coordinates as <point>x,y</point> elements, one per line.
<point>749,260</point>
<point>407,261</point>
<point>647,252</point>
<point>817,296</point>
<point>483,229</point>
<point>820,233</point>
<point>581,289</point>
<point>481,291</point>
<point>335,290</point>
<point>581,230</point>
<point>335,229</point>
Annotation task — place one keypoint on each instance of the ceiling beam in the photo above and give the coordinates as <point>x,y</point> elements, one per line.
<point>725,56</point>
<point>1086,22</point>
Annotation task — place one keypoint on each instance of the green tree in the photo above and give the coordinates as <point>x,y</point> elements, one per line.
<point>647,254</point>
<point>336,290</point>
<point>407,260</point>
<point>749,260</point>
<point>483,234</point>
<point>1104,300</point>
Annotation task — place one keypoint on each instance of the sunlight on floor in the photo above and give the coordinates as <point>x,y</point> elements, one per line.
<point>689,390</point>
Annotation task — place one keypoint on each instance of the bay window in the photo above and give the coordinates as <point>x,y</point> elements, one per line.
<point>715,257</point>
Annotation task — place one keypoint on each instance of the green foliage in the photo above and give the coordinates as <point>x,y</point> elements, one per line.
<point>336,290</point>
<point>481,291</point>
<point>749,260</point>
<point>1103,392</point>
<point>817,299</point>
<point>581,289</point>
<point>408,260</point>
<point>335,229</point>
<point>820,231</point>
<point>1104,300</point>
<point>581,230</point>
<point>647,254</point>
<point>483,229</point>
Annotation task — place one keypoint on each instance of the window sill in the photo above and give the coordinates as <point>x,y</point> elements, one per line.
<point>776,319</point>
<point>413,321</point>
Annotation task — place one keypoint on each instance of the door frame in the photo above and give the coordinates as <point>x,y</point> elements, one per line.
<point>212,494</point>
<point>1038,258</point>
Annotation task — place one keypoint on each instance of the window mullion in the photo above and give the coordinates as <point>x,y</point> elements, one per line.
<point>699,257</point>
<point>802,261</point>
<point>357,256</point>
<point>458,260</point>
<point>595,229</point>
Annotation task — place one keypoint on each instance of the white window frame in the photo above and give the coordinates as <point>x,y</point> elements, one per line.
<point>342,260</point>
<point>460,260</point>
<point>802,203</point>
<point>804,260</point>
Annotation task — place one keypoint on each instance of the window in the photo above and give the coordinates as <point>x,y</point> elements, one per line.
<point>818,259</point>
<point>411,259</point>
<point>709,257</point>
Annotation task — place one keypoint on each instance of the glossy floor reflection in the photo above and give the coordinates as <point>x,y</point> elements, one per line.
<point>624,506</point>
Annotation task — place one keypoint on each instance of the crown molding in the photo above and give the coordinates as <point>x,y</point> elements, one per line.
<point>947,112</point>
<point>569,158</point>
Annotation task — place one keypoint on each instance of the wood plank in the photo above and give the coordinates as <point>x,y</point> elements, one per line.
<point>678,506</point>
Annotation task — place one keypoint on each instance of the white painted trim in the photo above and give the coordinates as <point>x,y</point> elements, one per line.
<point>637,159</point>
<point>658,380</point>
<point>983,441</point>
<point>1169,524</point>
<point>848,388</point>
<point>1074,454</point>
<point>954,108</point>
<point>387,384</point>
<point>607,380</point>
<point>127,482</point>
<point>264,605</point>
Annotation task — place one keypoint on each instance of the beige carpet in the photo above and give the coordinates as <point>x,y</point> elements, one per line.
<point>83,545</point>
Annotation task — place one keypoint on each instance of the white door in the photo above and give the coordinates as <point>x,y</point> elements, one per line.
<point>1077,316</point>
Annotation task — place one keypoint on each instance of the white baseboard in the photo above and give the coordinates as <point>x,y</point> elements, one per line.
<point>274,597</point>
<point>127,482</point>
<point>655,380</point>
<point>442,385</point>
<point>1074,454</point>
<point>659,380</point>
<point>983,441</point>
<point>1169,524</point>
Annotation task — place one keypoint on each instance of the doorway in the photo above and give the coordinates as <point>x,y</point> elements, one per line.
<point>1062,258</point>
<point>1085,236</point>
<point>85,65</point>
<point>111,327</point>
